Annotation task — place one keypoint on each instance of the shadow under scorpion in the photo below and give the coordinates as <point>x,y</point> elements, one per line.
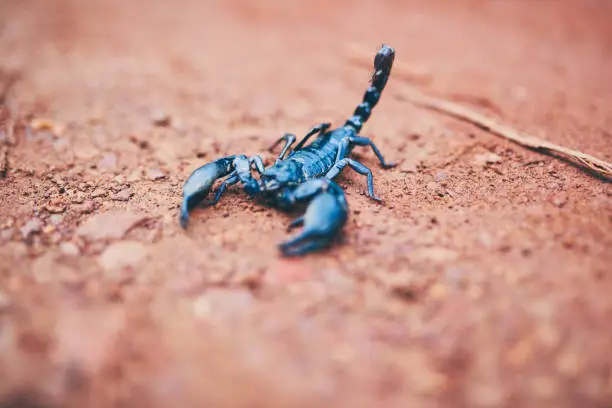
<point>302,174</point>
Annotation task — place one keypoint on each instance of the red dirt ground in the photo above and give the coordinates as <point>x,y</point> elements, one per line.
<point>474,284</point>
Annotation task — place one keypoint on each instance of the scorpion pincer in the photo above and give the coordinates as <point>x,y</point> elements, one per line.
<point>302,173</point>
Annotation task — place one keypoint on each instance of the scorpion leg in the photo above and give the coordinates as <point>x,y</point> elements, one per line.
<point>343,148</point>
<point>320,128</point>
<point>230,181</point>
<point>359,168</point>
<point>289,139</point>
<point>365,141</point>
<point>325,216</point>
<point>258,162</point>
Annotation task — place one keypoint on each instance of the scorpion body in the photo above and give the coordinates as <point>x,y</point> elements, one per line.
<point>302,173</point>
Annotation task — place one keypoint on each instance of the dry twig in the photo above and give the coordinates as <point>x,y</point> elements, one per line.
<point>585,161</point>
<point>7,124</point>
<point>4,160</point>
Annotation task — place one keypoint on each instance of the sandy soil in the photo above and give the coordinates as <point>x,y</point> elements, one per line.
<point>483,280</point>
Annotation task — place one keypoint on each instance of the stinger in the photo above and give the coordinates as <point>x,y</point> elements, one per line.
<point>382,69</point>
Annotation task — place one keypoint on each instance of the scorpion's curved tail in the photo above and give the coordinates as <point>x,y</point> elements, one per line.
<point>382,69</point>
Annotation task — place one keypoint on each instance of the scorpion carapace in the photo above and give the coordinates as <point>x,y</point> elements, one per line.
<point>302,173</point>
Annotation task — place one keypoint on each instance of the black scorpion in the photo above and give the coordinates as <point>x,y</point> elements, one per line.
<point>302,174</point>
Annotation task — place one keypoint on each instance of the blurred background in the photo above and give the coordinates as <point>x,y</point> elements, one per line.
<point>482,281</point>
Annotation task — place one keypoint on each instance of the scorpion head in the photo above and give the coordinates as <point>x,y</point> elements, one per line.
<point>280,175</point>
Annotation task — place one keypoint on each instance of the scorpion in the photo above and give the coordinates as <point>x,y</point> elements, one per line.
<point>301,174</point>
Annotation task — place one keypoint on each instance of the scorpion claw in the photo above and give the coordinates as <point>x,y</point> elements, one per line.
<point>199,184</point>
<point>184,216</point>
<point>324,218</point>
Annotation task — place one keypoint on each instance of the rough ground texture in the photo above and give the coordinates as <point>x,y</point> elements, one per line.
<point>483,280</point>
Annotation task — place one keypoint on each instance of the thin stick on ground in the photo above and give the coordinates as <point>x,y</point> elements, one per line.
<point>585,161</point>
<point>5,146</point>
<point>7,124</point>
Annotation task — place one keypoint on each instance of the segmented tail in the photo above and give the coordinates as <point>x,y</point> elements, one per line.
<point>382,69</point>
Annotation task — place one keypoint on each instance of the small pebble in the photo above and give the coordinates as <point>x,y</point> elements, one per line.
<point>156,174</point>
<point>58,180</point>
<point>55,207</point>
<point>56,128</point>
<point>8,223</point>
<point>487,158</point>
<point>84,208</point>
<point>160,118</point>
<point>428,178</point>
<point>143,144</point>
<point>117,188</point>
<point>559,199</point>
<point>109,225</point>
<point>380,229</point>
<point>95,118</point>
<point>441,176</point>
<point>124,195</point>
<point>408,167</point>
<point>98,192</point>
<point>69,249</point>
<point>31,227</point>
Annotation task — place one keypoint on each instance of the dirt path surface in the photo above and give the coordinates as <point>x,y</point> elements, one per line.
<point>483,280</point>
